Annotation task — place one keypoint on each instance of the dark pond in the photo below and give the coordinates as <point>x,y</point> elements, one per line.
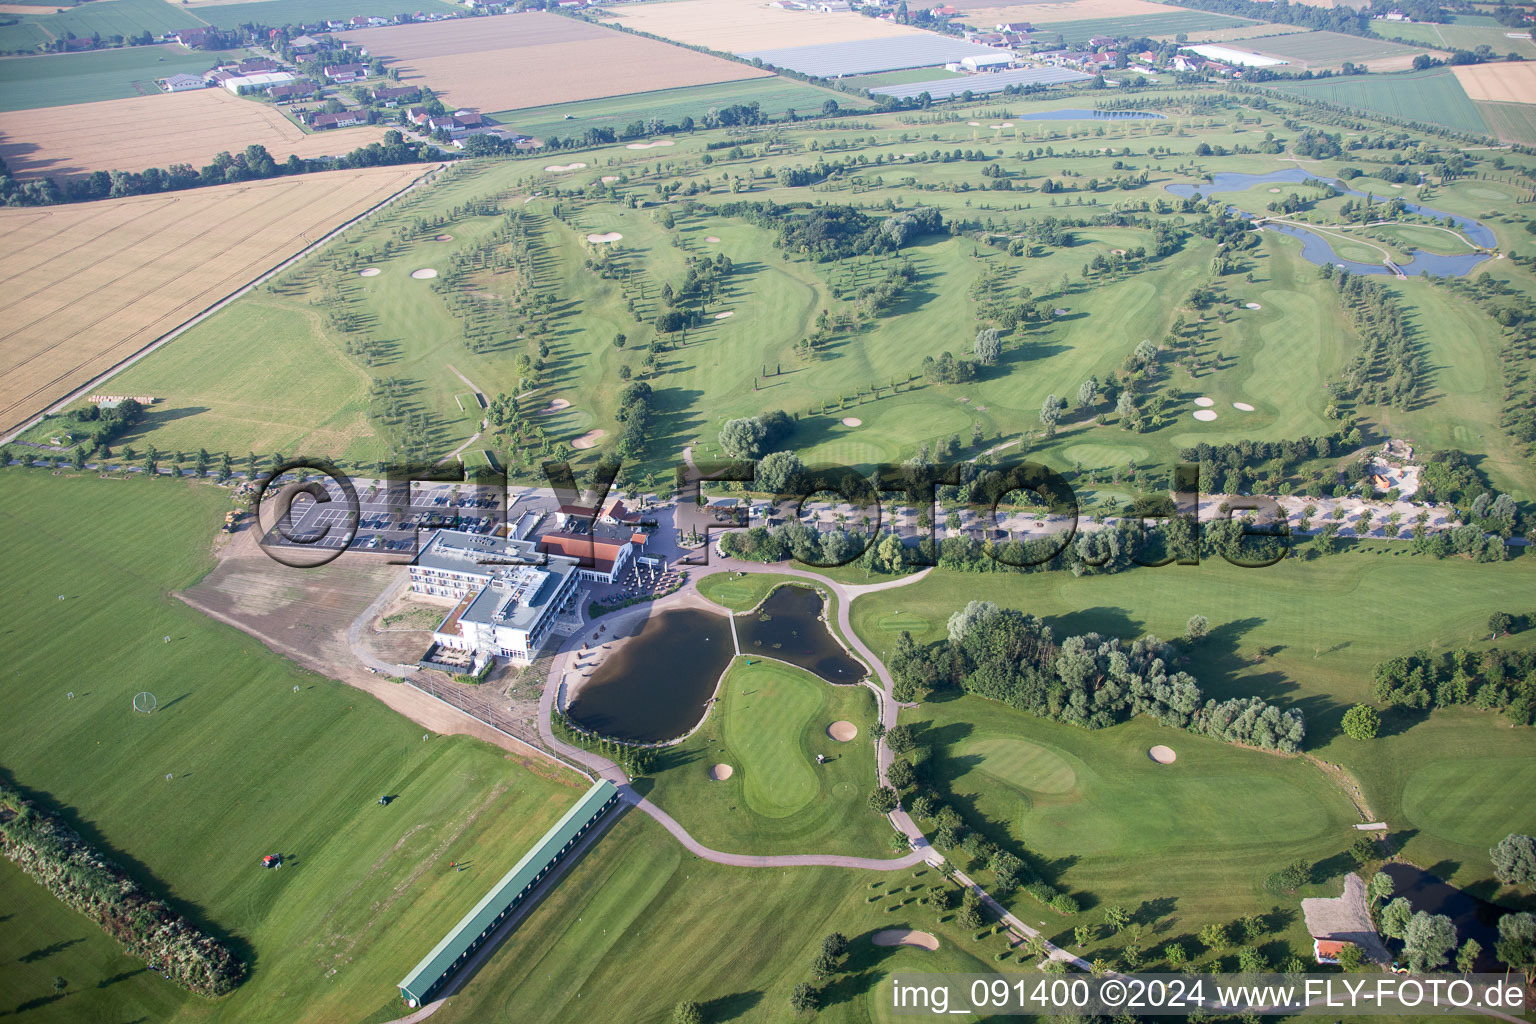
<point>654,687</point>
<point>1474,919</point>
<point>786,627</point>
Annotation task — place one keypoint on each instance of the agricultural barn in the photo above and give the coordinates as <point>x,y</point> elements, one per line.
<point>987,62</point>
<point>259,82</point>
<point>429,976</point>
<point>183,83</point>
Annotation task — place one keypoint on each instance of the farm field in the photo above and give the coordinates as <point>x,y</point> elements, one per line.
<point>736,940</point>
<point>262,767</point>
<point>105,17</point>
<point>1076,33</point>
<point>1499,83</point>
<point>900,77</point>
<point>70,318</point>
<point>739,26</point>
<point>1230,35</point>
<point>157,131</point>
<point>1195,839</point>
<point>1435,96</point>
<point>230,13</point>
<point>774,96</point>
<point>1331,49</point>
<point>68,78</point>
<point>769,724</point>
<point>1512,122</point>
<point>1464,32</point>
<point>511,61</point>
<point>982,13</point>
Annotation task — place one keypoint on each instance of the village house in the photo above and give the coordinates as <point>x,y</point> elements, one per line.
<point>183,83</point>
<point>297,91</point>
<point>344,73</point>
<point>342,119</point>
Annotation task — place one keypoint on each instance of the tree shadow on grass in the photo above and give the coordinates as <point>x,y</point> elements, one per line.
<point>44,952</point>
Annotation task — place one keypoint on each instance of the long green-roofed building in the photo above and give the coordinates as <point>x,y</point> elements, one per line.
<point>458,945</point>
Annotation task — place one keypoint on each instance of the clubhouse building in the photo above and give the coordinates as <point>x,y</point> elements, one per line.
<point>510,597</point>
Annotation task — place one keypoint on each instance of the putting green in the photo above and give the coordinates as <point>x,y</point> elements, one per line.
<point>1026,765</point>
<point>1471,800</point>
<point>731,593</point>
<point>899,621</point>
<point>764,727</point>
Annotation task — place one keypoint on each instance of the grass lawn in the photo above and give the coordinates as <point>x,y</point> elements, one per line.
<point>639,925</point>
<point>769,725</point>
<point>739,591</point>
<point>773,95</point>
<point>1434,96</point>
<point>900,77</point>
<point>258,768</point>
<point>62,78</point>
<point>1195,839</point>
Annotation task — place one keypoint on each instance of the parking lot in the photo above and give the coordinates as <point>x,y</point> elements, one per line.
<point>389,519</point>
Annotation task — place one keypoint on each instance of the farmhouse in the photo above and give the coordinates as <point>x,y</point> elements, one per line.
<point>296,91</point>
<point>434,970</point>
<point>392,95</point>
<point>182,83</point>
<point>343,119</point>
<point>193,38</point>
<point>343,73</point>
<point>509,597</point>
<point>304,44</point>
<point>1021,27</point>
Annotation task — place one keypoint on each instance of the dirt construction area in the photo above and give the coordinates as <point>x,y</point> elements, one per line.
<point>523,60</point>
<point>1501,83</point>
<point>84,286</point>
<point>742,26</point>
<point>157,131</point>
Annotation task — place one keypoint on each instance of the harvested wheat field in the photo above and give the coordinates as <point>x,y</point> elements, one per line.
<point>524,60</point>
<point>1500,83</point>
<point>742,26</point>
<point>85,286</point>
<point>157,131</point>
<point>1059,10</point>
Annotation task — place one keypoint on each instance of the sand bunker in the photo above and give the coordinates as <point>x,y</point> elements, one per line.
<point>852,421</point>
<point>589,439</point>
<point>842,731</point>
<point>1117,252</point>
<point>1275,190</point>
<point>1242,407</point>
<point>1204,402</point>
<point>443,238</point>
<point>368,272</point>
<point>974,124</point>
<point>612,236</point>
<point>609,179</point>
<point>424,274</point>
<point>711,238</point>
<point>556,405</point>
<point>721,772</point>
<point>728,313</point>
<point>564,167</point>
<point>649,145</point>
<point>1162,754</point>
<point>905,937</point>
<point>1252,305</point>
<point>1204,415</point>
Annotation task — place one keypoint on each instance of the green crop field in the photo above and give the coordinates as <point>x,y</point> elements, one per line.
<point>1513,122</point>
<point>736,940</point>
<point>1462,32</point>
<point>1432,96</point>
<point>1324,49</point>
<point>900,77</point>
<point>1198,836</point>
<point>774,96</point>
<point>1076,33</point>
<point>58,79</point>
<point>768,725</point>
<point>257,767</point>
<point>285,12</point>
<point>107,18</point>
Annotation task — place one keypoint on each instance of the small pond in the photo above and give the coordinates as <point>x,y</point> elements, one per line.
<point>655,685</point>
<point>786,626</point>
<point>1474,919</point>
<point>1316,247</point>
